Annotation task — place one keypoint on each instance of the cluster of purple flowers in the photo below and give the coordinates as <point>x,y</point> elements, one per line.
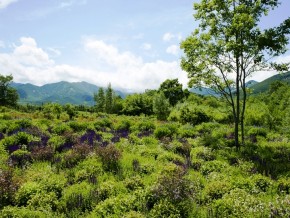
<point>90,136</point>
<point>118,134</point>
<point>1,136</point>
<point>145,133</point>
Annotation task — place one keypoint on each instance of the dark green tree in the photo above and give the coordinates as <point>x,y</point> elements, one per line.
<point>161,106</point>
<point>8,95</point>
<point>172,90</point>
<point>228,46</point>
<point>137,104</point>
<point>109,99</point>
<point>100,100</point>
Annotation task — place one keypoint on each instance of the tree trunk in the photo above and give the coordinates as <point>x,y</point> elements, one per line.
<point>237,118</point>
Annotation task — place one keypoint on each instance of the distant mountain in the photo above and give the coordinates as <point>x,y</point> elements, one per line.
<point>264,86</point>
<point>251,83</point>
<point>78,93</point>
<point>208,91</point>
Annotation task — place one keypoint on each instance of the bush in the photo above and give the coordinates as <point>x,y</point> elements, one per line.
<point>283,186</point>
<point>134,183</point>
<point>110,189</point>
<point>172,186</point>
<point>21,212</point>
<point>20,158</point>
<point>78,197</point>
<point>212,166</point>
<point>61,129</point>
<point>166,130</point>
<point>26,192</point>
<point>77,126</point>
<point>110,157</point>
<point>238,203</point>
<point>8,186</point>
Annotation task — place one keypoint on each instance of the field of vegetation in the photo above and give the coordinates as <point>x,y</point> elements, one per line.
<point>81,163</point>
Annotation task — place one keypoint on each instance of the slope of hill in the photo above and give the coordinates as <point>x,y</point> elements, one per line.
<point>265,85</point>
<point>62,92</point>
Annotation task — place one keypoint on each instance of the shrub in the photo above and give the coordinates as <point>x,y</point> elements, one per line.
<point>283,186</point>
<point>26,192</point>
<point>20,158</point>
<point>78,197</point>
<point>165,208</point>
<point>22,212</point>
<point>216,189</point>
<point>212,166</point>
<point>43,201</point>
<point>88,170</point>
<point>61,129</point>
<point>8,186</point>
<point>187,131</point>
<point>110,189</point>
<point>77,126</point>
<point>238,203</point>
<point>134,183</point>
<point>56,142</point>
<point>110,157</point>
<point>166,130</point>
<point>146,126</point>
<point>172,186</point>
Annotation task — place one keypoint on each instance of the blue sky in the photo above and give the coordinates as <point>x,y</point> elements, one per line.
<point>132,44</point>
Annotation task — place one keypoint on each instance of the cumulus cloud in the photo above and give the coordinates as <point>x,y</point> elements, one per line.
<point>125,70</point>
<point>6,3</point>
<point>173,49</point>
<point>146,46</point>
<point>167,37</point>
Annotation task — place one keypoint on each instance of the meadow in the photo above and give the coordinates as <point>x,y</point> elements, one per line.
<point>95,164</point>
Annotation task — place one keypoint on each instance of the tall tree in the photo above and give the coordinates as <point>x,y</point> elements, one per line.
<point>161,106</point>
<point>228,46</point>
<point>100,100</point>
<point>109,99</point>
<point>8,95</point>
<point>172,90</point>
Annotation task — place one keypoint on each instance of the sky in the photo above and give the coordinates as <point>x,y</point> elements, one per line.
<point>134,45</point>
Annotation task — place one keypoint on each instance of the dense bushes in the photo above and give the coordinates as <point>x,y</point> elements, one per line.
<point>101,165</point>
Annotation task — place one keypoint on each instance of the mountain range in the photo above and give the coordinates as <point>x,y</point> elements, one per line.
<point>78,93</point>
<point>256,87</point>
<point>81,93</point>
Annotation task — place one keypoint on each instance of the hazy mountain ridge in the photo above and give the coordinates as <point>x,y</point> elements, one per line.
<point>265,84</point>
<point>80,93</point>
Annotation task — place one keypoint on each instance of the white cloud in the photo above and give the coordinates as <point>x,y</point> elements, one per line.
<point>29,54</point>
<point>173,49</point>
<point>146,46</point>
<point>70,3</point>
<point>126,71</point>
<point>6,3</point>
<point>168,37</point>
<point>2,44</point>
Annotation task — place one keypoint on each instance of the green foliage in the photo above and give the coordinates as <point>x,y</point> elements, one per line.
<point>161,106</point>
<point>166,130</point>
<point>238,203</point>
<point>22,212</point>
<point>137,104</point>
<point>100,100</point>
<point>26,192</point>
<point>110,157</point>
<point>78,197</point>
<point>8,95</point>
<point>172,90</point>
